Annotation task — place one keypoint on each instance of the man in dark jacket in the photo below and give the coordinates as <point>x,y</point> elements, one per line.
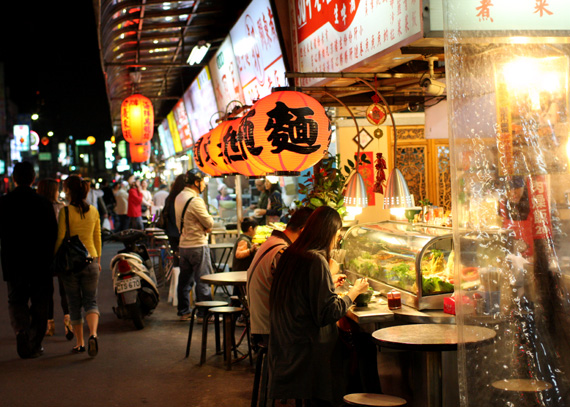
<point>28,231</point>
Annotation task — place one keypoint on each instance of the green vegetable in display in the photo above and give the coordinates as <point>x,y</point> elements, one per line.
<point>403,274</point>
<point>434,284</point>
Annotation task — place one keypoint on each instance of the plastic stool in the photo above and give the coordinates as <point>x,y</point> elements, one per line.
<point>228,314</point>
<point>373,400</point>
<point>261,375</point>
<point>204,304</point>
<point>172,295</point>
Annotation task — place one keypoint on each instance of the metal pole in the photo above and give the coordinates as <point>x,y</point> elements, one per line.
<point>239,206</point>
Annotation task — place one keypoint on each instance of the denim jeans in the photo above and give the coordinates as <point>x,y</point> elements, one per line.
<point>137,223</point>
<point>81,290</point>
<point>194,263</point>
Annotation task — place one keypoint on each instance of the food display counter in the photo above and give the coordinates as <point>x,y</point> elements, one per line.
<point>418,260</point>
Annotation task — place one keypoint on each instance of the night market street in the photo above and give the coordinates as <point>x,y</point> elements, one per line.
<point>132,368</point>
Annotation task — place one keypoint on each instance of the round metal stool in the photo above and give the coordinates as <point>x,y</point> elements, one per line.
<point>204,304</point>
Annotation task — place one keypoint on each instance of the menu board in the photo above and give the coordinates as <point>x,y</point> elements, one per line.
<point>225,76</point>
<point>166,139</point>
<point>257,51</point>
<point>336,35</point>
<point>174,132</point>
<point>183,125</point>
<point>200,102</point>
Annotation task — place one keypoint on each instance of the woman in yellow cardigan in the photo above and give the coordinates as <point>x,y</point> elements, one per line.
<point>81,287</point>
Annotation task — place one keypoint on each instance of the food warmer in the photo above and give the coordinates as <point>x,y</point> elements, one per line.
<point>415,259</point>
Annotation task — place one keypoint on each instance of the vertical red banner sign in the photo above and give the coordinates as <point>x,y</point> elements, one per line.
<point>367,172</point>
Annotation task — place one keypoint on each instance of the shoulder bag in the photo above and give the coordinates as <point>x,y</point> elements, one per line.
<point>72,256</point>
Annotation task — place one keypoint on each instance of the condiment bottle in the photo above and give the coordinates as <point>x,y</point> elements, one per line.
<point>394,299</point>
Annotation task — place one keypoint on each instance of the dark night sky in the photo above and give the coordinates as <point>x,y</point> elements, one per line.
<point>51,66</point>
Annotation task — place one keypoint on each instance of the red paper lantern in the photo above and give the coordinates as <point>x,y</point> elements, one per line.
<point>140,152</point>
<point>214,148</point>
<point>202,158</point>
<point>235,151</point>
<point>137,119</point>
<point>286,133</point>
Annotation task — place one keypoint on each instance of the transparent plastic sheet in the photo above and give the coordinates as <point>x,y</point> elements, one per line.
<point>508,101</point>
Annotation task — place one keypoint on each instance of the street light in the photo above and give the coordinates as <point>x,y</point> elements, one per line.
<point>35,116</point>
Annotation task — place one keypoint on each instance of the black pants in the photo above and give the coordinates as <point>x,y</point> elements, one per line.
<point>28,302</point>
<point>63,300</point>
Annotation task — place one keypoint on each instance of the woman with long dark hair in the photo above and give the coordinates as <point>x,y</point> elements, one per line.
<point>304,361</point>
<point>49,188</point>
<point>81,287</point>
<point>171,228</point>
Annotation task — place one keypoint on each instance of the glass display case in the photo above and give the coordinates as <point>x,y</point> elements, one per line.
<point>417,260</point>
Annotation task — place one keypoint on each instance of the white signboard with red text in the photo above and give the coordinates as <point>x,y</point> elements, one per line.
<point>257,51</point>
<point>225,76</point>
<point>334,35</point>
<point>200,103</point>
<point>508,14</point>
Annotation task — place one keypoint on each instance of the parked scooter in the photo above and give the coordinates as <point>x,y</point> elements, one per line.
<point>134,280</point>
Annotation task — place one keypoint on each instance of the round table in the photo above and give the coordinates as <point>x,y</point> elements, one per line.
<point>432,339</point>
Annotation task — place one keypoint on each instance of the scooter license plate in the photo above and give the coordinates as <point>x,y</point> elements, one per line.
<point>128,284</point>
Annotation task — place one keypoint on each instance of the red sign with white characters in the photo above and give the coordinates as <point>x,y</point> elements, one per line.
<point>334,35</point>
<point>540,207</point>
<point>312,15</point>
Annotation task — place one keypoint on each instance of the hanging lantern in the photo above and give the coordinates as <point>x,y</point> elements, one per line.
<point>201,157</point>
<point>140,152</point>
<point>286,132</point>
<point>214,149</point>
<point>235,151</point>
<point>91,140</point>
<point>137,119</point>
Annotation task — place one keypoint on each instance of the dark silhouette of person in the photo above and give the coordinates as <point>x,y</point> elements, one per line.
<point>28,231</point>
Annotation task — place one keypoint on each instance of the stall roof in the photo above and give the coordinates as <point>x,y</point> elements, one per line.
<point>145,44</point>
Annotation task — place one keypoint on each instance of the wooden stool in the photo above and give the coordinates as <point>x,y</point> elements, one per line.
<point>204,304</point>
<point>520,389</point>
<point>228,314</point>
<point>373,400</point>
<point>261,376</point>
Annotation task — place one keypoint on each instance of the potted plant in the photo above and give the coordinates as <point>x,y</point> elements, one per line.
<point>326,185</point>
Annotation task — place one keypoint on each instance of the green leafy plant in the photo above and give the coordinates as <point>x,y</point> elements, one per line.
<point>326,186</point>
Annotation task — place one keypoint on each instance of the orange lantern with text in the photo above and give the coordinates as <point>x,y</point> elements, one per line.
<point>286,132</point>
<point>214,149</point>
<point>236,153</point>
<point>202,159</point>
<point>137,119</point>
<point>140,152</point>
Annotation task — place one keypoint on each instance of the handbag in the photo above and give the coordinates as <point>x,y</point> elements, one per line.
<point>72,256</point>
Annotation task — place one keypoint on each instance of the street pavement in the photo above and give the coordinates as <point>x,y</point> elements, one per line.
<point>133,368</point>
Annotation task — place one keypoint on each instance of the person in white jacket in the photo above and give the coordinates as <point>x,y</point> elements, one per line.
<point>194,223</point>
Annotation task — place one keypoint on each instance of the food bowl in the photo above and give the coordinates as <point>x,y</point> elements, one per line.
<point>363,299</point>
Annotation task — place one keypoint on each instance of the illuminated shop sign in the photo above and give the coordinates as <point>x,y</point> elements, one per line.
<point>336,35</point>
<point>257,51</point>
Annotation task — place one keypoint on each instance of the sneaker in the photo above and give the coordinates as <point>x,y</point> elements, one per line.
<point>185,317</point>
<point>200,320</point>
<point>241,321</point>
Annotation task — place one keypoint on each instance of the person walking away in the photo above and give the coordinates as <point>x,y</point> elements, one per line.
<point>109,201</point>
<point>194,223</point>
<point>260,273</point>
<point>50,189</point>
<point>134,210</point>
<point>81,287</point>
<point>305,362</point>
<point>121,208</point>
<point>244,248</point>
<point>173,233</point>
<point>263,200</point>
<point>274,209</point>
<point>159,198</point>
<point>28,231</point>
<point>146,206</point>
